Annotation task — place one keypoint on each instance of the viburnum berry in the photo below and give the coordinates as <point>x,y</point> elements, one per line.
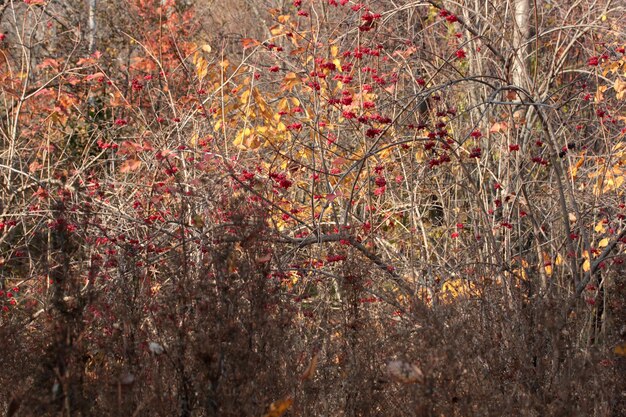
<point>475,153</point>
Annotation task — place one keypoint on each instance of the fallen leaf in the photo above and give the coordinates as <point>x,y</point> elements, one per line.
<point>404,372</point>
<point>155,348</point>
<point>310,370</point>
<point>278,408</point>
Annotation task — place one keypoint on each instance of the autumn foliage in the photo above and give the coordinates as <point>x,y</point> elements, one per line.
<point>377,208</point>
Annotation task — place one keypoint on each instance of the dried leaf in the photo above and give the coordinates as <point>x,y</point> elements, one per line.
<point>620,89</point>
<point>197,221</point>
<point>404,372</point>
<point>130,165</point>
<point>498,127</point>
<point>249,43</point>
<point>310,370</point>
<point>280,407</point>
<point>264,258</point>
<point>34,166</point>
<point>586,265</point>
<point>155,348</point>
<point>291,80</point>
<point>127,378</point>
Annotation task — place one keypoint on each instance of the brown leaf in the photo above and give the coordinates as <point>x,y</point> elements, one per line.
<point>310,370</point>
<point>130,165</point>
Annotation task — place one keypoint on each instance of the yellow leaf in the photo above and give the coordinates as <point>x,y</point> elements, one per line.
<point>207,48</point>
<point>574,169</point>
<point>337,64</point>
<point>600,228</point>
<point>548,269</point>
<point>603,243</point>
<point>245,97</point>
<point>586,265</point>
<point>620,89</point>
<point>283,105</point>
<point>559,260</point>
<point>241,136</point>
<point>291,80</point>
<point>278,408</point>
<point>457,287</point>
<point>276,30</point>
<point>334,50</point>
<point>611,184</point>
<point>266,111</point>
<point>193,140</point>
<point>202,67</point>
<point>600,94</point>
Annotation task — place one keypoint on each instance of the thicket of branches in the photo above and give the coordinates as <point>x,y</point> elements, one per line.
<point>312,208</point>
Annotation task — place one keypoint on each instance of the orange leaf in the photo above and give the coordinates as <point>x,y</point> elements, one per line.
<point>278,408</point>
<point>249,43</point>
<point>291,80</point>
<point>620,349</point>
